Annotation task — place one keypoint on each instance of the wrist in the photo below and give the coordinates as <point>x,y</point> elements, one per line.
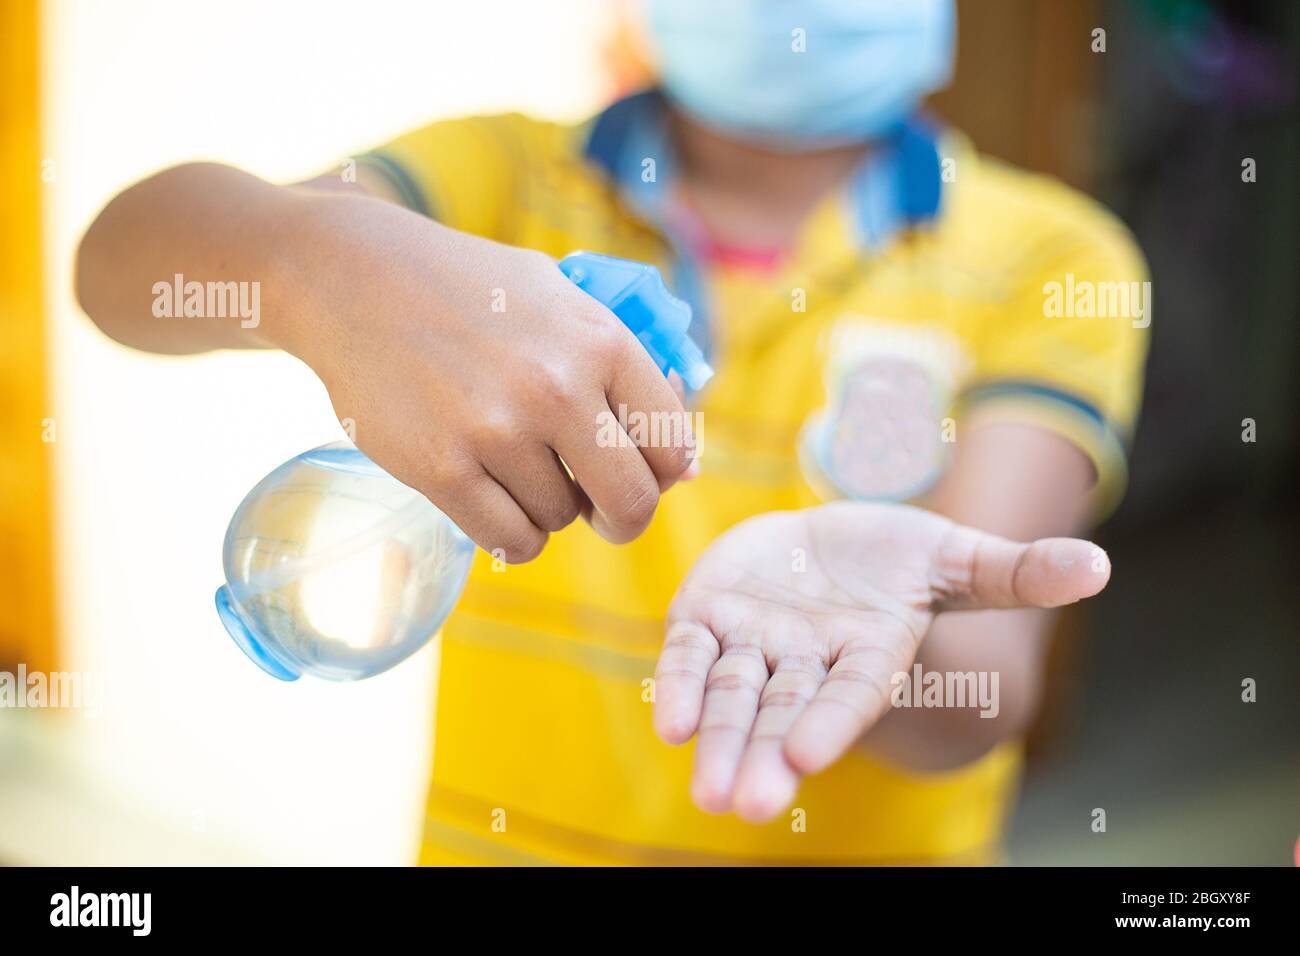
<point>332,257</point>
<point>291,263</point>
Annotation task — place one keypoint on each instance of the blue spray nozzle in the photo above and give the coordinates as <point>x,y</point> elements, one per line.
<point>635,292</point>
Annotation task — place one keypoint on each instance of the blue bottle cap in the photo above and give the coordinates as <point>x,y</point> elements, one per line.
<point>247,641</point>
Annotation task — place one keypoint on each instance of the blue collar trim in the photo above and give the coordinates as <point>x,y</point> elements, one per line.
<point>899,185</point>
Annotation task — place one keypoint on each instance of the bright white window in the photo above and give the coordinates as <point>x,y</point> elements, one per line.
<point>198,746</point>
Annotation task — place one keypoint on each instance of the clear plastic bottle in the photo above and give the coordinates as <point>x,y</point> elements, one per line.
<point>337,569</point>
<point>334,568</point>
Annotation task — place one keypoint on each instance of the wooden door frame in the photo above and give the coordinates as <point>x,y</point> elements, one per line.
<point>27,428</point>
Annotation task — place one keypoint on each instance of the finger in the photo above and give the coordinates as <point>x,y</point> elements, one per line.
<point>693,469</point>
<point>610,470</point>
<point>766,782</point>
<point>690,651</point>
<point>678,386</point>
<point>536,479</point>
<point>491,517</point>
<point>851,699</point>
<point>652,412</point>
<point>975,570</point>
<point>730,702</point>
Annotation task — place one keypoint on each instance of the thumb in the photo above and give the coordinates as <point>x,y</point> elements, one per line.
<point>975,570</point>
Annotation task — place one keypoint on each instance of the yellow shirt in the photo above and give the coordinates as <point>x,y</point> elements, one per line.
<point>544,748</point>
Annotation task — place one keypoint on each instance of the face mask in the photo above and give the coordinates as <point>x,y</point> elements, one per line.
<point>802,75</point>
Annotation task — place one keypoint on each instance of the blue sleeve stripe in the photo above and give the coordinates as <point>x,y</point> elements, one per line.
<point>413,197</point>
<point>1012,388</point>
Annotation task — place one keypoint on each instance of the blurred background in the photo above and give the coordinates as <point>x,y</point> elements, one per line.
<point>118,471</point>
<point>1145,716</point>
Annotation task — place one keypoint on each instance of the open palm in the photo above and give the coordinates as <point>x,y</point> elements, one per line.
<point>783,639</point>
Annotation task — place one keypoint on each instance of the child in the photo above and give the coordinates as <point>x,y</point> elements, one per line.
<point>840,251</point>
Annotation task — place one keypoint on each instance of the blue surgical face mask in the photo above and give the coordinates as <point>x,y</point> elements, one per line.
<point>802,75</point>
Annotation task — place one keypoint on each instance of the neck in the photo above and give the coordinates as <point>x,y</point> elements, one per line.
<point>744,190</point>
<point>712,158</point>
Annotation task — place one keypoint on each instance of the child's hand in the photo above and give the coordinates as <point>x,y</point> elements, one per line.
<point>465,368</point>
<point>783,640</point>
<point>471,368</point>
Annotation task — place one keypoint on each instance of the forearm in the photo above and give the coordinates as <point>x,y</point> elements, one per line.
<point>1005,652</point>
<point>204,256</point>
<point>202,223</point>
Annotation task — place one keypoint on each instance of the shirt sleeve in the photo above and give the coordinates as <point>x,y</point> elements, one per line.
<point>1066,351</point>
<point>465,173</point>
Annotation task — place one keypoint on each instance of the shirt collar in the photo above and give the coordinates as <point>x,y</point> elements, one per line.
<point>898,186</point>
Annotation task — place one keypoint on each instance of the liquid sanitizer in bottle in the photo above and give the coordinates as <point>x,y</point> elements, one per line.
<point>335,568</point>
